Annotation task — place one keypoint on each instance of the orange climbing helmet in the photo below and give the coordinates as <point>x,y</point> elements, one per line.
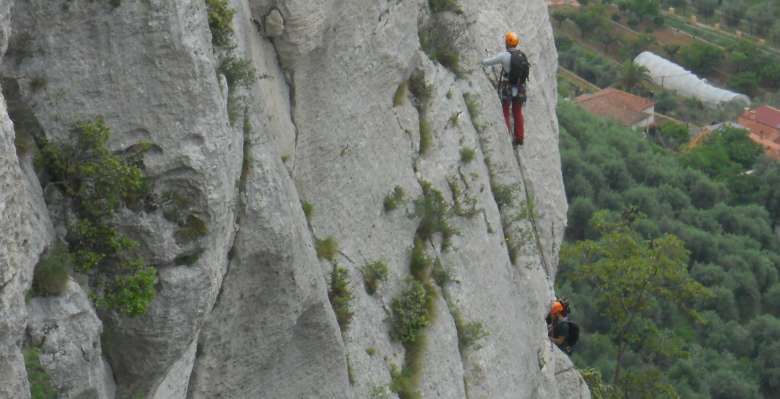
<point>557,308</point>
<point>511,39</point>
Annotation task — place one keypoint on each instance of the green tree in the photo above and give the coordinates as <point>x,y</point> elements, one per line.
<point>665,101</point>
<point>591,20</point>
<point>674,134</point>
<point>644,9</point>
<point>760,18</point>
<point>638,45</point>
<point>629,276</point>
<point>701,58</point>
<point>706,7</point>
<point>745,82</point>
<point>770,75</point>
<point>767,171</point>
<point>607,39</point>
<point>741,148</point>
<point>727,152</point>
<point>733,11</point>
<point>633,76</point>
<point>580,212</point>
<point>560,15</point>
<point>774,33</point>
<point>739,60</point>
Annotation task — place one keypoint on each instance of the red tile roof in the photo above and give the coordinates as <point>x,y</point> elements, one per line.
<point>616,104</point>
<point>769,116</point>
<point>559,3</point>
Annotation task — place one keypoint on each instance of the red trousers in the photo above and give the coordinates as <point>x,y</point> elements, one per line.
<point>517,114</point>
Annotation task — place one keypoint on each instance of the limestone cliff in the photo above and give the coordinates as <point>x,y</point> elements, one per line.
<point>347,106</point>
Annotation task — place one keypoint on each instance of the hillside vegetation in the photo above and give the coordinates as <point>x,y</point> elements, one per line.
<point>614,32</point>
<point>723,215</point>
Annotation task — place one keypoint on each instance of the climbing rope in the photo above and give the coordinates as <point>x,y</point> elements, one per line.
<point>532,216</point>
<point>494,79</point>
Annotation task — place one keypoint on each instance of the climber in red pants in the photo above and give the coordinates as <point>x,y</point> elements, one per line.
<point>514,73</point>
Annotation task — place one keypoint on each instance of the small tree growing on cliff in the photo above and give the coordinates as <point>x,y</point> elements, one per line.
<point>630,276</point>
<point>96,183</point>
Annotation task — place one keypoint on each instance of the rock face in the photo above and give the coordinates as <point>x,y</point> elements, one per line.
<point>68,332</point>
<point>26,231</point>
<point>334,122</point>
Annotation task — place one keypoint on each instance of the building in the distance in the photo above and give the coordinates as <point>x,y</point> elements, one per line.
<point>626,108</point>
<point>764,126</point>
<point>671,76</point>
<point>563,3</point>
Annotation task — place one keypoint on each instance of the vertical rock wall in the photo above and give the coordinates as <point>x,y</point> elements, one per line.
<point>250,316</point>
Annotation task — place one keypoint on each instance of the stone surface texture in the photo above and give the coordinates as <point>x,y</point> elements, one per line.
<point>26,232</point>
<point>249,315</point>
<point>67,331</point>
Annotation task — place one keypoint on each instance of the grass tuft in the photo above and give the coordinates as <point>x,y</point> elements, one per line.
<point>473,109</point>
<point>340,296</point>
<point>401,382</point>
<point>440,274</point>
<point>220,22</point>
<point>455,119</point>
<point>469,333</point>
<point>400,95</point>
<point>434,213</point>
<point>327,248</point>
<point>419,263</point>
<point>373,274</point>
<point>426,136</point>
<point>308,210</point>
<point>503,195</point>
<point>41,386</point>
<point>467,154</point>
<point>394,199</point>
<point>421,91</point>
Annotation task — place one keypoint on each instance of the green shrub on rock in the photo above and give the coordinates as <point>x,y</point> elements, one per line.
<point>373,274</point>
<point>394,199</point>
<point>445,5</point>
<point>220,21</point>
<point>238,71</point>
<point>133,292</point>
<point>412,312</point>
<point>51,274</point>
<point>327,248</point>
<point>434,213</point>
<point>340,296</point>
<point>41,386</point>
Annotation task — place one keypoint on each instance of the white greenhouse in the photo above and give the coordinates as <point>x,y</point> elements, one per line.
<point>671,76</point>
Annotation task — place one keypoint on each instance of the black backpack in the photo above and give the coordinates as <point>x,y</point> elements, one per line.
<point>572,338</point>
<point>519,68</point>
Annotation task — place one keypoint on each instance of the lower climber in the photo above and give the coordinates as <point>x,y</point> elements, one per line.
<point>562,332</point>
